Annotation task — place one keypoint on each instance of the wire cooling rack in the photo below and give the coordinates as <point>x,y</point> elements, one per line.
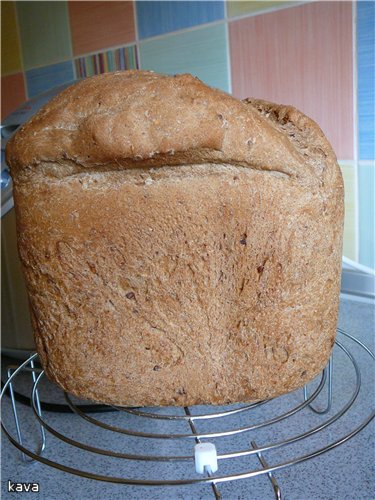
<point>234,430</point>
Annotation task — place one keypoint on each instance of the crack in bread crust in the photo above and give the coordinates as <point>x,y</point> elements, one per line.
<point>138,117</point>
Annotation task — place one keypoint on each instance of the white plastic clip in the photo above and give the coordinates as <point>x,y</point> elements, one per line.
<point>205,456</point>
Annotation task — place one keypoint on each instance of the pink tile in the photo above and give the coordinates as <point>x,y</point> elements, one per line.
<point>12,93</point>
<point>98,25</point>
<point>300,56</point>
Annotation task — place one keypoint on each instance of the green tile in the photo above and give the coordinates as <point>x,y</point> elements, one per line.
<point>201,52</point>
<point>350,233</point>
<point>10,45</point>
<point>44,31</point>
<point>240,8</point>
<point>366,189</point>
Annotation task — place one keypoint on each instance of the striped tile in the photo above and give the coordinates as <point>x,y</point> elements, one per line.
<point>12,93</point>
<point>366,181</point>
<point>44,31</point>
<point>156,18</point>
<point>295,66</point>
<point>98,25</point>
<point>366,79</point>
<point>240,8</point>
<point>10,45</point>
<point>111,60</point>
<point>350,232</point>
<point>41,79</point>
<point>201,52</point>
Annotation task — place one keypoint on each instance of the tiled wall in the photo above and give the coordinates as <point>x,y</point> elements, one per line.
<point>366,126</point>
<point>318,56</point>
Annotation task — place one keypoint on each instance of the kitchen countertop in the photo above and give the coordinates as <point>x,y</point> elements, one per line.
<point>346,472</point>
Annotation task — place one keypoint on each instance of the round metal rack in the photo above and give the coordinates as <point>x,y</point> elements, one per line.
<point>228,428</point>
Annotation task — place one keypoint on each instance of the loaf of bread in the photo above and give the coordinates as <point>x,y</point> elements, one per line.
<point>179,246</point>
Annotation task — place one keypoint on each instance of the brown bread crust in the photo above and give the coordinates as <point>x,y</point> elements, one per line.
<point>179,246</point>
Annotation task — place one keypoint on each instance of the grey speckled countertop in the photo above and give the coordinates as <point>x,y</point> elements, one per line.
<point>345,472</point>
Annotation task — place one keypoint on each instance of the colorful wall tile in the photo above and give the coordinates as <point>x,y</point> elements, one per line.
<point>98,25</point>
<point>240,8</point>
<point>12,93</point>
<point>155,18</point>
<point>366,79</point>
<point>295,66</point>
<point>366,180</point>
<point>350,232</point>
<point>111,60</point>
<point>44,31</point>
<point>10,46</point>
<point>41,79</point>
<point>201,52</point>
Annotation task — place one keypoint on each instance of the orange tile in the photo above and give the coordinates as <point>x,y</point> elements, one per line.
<point>12,93</point>
<point>99,25</point>
<point>300,56</point>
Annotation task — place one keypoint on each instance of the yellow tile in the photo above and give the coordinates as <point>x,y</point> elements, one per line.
<point>350,233</point>
<point>241,7</point>
<point>10,45</point>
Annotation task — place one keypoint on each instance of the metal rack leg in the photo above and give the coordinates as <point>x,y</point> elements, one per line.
<point>38,406</point>
<point>42,446</point>
<point>262,460</point>
<point>197,440</point>
<point>329,393</point>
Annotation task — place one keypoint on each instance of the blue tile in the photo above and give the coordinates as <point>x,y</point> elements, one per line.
<point>41,79</point>
<point>366,181</point>
<point>155,18</point>
<point>366,79</point>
